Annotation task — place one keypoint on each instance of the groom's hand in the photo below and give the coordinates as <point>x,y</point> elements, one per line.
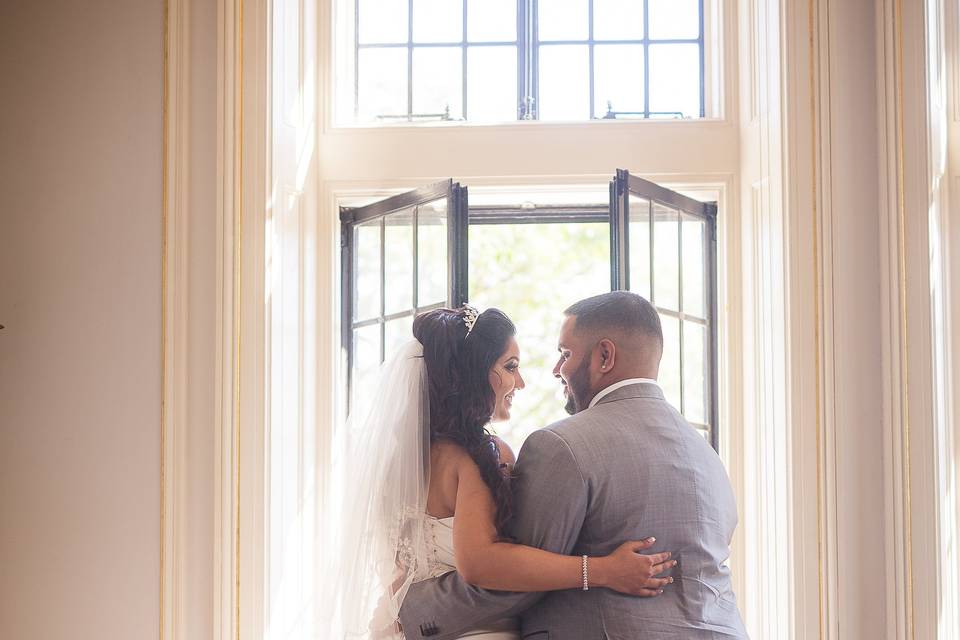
<point>627,571</point>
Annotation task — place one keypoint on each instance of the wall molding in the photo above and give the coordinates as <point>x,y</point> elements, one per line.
<point>175,290</point>
<point>242,135</point>
<point>921,597</point>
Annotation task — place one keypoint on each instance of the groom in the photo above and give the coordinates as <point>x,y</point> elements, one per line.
<point>624,466</point>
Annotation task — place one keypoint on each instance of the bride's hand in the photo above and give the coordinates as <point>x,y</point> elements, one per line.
<point>627,571</point>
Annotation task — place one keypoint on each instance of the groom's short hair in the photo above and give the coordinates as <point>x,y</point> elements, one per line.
<point>617,310</point>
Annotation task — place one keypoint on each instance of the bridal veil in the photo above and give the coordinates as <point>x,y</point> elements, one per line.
<point>373,541</point>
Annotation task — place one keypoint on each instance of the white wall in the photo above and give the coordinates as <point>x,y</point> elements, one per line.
<point>80,264</point>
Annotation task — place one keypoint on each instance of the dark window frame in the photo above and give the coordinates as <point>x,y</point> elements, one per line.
<point>461,216</point>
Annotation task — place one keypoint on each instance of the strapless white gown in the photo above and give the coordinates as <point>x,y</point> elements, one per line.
<point>443,561</point>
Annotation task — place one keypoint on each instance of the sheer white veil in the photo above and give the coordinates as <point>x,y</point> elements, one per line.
<point>374,533</point>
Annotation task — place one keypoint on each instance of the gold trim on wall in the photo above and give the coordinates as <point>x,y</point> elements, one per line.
<point>238,290</point>
<point>817,316</point>
<point>904,351</point>
<point>165,155</point>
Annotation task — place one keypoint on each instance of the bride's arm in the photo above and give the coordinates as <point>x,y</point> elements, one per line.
<point>484,562</point>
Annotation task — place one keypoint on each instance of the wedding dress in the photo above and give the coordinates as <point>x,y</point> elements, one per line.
<point>442,560</point>
<point>376,538</point>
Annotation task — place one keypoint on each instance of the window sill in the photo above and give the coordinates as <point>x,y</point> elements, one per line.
<point>346,129</point>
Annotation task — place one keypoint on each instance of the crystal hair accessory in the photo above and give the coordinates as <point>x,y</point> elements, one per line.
<point>470,315</point>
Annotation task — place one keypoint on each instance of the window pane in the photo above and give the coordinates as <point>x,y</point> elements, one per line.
<point>398,267</point>
<point>527,271</point>
<point>491,84</point>
<point>437,20</point>
<point>366,365</point>
<point>675,79</point>
<point>640,246</point>
<point>666,258</point>
<point>382,21</point>
<point>618,79</point>
<point>617,20</point>
<point>669,377</point>
<point>564,82</point>
<point>432,253</point>
<point>674,19</point>
<point>692,231</point>
<point>695,372</point>
<point>491,20</point>
<point>438,81</point>
<point>396,333</point>
<point>383,82</point>
<point>563,19</point>
<point>366,293</point>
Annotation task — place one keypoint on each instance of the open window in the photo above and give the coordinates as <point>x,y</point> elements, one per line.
<point>663,247</point>
<point>532,255</point>
<point>400,256</point>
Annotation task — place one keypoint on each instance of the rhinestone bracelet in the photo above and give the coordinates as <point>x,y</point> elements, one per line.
<point>586,583</point>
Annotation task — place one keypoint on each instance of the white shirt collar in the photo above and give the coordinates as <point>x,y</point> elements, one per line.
<point>617,385</point>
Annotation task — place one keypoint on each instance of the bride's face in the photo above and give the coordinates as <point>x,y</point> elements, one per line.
<point>505,379</point>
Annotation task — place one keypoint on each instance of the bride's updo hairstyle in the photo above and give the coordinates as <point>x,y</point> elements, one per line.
<point>462,401</point>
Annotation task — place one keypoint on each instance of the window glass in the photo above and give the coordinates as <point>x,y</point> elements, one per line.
<point>438,81</point>
<point>564,72</point>
<point>437,21</point>
<point>618,79</point>
<point>617,20</point>
<point>492,83</point>
<point>666,257</point>
<point>563,20</point>
<point>382,87</point>
<point>432,253</point>
<point>366,364</point>
<point>695,372</point>
<point>669,377</point>
<point>575,66</point>
<point>396,333</point>
<point>491,20</point>
<point>382,21</point>
<point>693,231</point>
<point>640,246</point>
<point>398,254</point>
<point>366,246</point>
<point>675,80</point>
<point>674,19</point>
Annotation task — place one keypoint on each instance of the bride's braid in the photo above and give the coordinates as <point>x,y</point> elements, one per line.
<point>462,401</point>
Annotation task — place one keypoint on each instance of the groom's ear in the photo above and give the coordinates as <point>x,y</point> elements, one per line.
<point>608,354</point>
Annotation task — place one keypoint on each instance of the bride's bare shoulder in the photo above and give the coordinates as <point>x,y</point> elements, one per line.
<point>449,453</point>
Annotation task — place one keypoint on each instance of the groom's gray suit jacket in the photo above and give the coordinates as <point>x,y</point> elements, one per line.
<point>628,468</point>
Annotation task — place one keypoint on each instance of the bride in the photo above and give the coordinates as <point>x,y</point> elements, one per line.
<point>425,488</point>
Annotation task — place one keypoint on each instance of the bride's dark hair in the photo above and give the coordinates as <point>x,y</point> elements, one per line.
<point>462,401</point>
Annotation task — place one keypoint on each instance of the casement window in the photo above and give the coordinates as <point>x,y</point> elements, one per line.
<point>431,247</point>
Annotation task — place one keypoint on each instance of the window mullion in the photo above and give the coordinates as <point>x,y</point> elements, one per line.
<point>533,66</point>
<point>646,64</point>
<point>520,58</point>
<point>410,59</point>
<point>593,115</point>
<point>463,65</point>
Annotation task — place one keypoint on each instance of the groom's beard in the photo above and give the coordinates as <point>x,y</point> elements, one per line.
<point>578,388</point>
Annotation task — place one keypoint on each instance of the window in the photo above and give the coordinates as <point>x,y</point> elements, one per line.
<point>641,237</point>
<point>501,60</point>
